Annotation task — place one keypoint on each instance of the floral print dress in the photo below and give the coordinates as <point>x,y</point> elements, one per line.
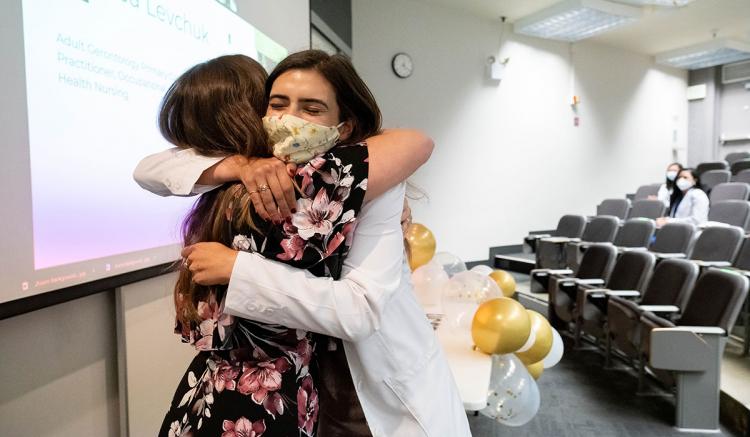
<point>253,379</point>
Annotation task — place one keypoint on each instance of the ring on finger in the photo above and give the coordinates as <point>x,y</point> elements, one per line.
<point>263,188</point>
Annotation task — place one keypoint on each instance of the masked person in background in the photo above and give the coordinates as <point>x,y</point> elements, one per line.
<point>666,189</point>
<point>688,203</point>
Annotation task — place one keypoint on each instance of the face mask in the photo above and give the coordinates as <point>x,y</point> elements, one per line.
<point>671,175</point>
<point>684,184</point>
<point>297,140</point>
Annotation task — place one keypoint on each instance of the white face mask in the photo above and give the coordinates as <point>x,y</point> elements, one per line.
<point>684,184</point>
<point>297,140</point>
<point>671,175</point>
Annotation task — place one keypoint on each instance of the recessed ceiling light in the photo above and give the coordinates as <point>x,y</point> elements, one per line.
<point>667,3</point>
<point>573,20</point>
<point>704,55</point>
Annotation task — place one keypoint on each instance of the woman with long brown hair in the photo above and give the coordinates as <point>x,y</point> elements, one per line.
<point>317,236</point>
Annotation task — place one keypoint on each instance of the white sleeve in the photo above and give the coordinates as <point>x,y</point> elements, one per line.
<point>174,172</point>
<point>663,194</point>
<point>349,308</point>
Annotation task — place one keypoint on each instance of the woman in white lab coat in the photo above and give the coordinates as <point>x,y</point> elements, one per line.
<point>688,203</point>
<point>395,362</point>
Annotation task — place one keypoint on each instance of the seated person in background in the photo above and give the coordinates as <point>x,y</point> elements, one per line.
<point>666,189</point>
<point>688,203</point>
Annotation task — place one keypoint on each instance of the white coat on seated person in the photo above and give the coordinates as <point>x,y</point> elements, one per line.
<point>399,371</point>
<point>693,208</point>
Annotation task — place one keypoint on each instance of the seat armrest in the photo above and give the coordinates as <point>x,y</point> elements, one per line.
<point>546,272</point>
<point>595,293</point>
<point>712,263</point>
<point>630,249</point>
<point>662,255</point>
<point>538,236</point>
<point>624,293</point>
<point>592,281</point>
<point>670,346</point>
<point>703,330</point>
<point>660,308</point>
<point>560,240</point>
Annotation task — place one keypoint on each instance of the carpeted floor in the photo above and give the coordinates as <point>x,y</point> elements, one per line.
<point>582,399</point>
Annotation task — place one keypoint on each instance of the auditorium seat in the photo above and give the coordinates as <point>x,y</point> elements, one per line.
<point>629,274</point>
<point>673,238</point>
<point>615,207</point>
<point>715,165</point>
<point>569,226</point>
<point>651,209</point>
<point>688,351</point>
<point>712,178</point>
<point>644,191</point>
<point>595,266</point>
<point>729,191</point>
<point>742,176</point>
<point>733,157</point>
<point>717,246</point>
<point>738,166</point>
<point>635,233</point>
<point>669,285</point>
<point>731,212</point>
<point>741,264</point>
<point>600,229</point>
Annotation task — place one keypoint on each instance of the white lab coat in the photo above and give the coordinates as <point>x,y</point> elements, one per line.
<point>399,371</point>
<point>692,209</point>
<point>664,194</point>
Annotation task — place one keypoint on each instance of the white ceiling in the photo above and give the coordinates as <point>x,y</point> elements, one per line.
<point>660,29</point>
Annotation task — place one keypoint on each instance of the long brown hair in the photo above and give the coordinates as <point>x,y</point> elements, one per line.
<point>215,107</point>
<point>356,102</point>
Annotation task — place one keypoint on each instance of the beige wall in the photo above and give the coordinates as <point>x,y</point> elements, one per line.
<point>154,358</point>
<point>508,158</point>
<point>58,370</point>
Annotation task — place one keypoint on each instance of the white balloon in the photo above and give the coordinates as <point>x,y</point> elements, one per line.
<point>470,287</point>
<point>530,342</point>
<point>482,269</point>
<point>513,398</point>
<point>451,263</point>
<point>428,281</point>
<point>462,295</point>
<point>555,354</point>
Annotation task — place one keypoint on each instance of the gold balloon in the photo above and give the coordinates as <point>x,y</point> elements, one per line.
<point>421,245</point>
<point>535,369</point>
<point>542,343</point>
<point>500,326</point>
<point>505,281</point>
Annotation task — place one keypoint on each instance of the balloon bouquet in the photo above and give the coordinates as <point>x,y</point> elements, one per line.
<point>477,306</point>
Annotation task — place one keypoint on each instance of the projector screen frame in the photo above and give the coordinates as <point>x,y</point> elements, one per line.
<point>253,11</point>
<point>61,295</point>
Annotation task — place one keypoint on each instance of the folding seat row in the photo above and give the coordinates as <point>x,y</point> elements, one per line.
<point>658,320</point>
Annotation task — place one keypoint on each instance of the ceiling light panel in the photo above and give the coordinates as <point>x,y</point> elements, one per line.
<point>666,3</point>
<point>709,54</point>
<point>574,20</point>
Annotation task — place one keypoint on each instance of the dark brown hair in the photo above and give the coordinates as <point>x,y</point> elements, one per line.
<point>215,108</point>
<point>356,103</point>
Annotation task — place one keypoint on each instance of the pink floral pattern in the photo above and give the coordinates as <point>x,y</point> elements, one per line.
<point>307,405</point>
<point>243,428</point>
<point>252,377</point>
